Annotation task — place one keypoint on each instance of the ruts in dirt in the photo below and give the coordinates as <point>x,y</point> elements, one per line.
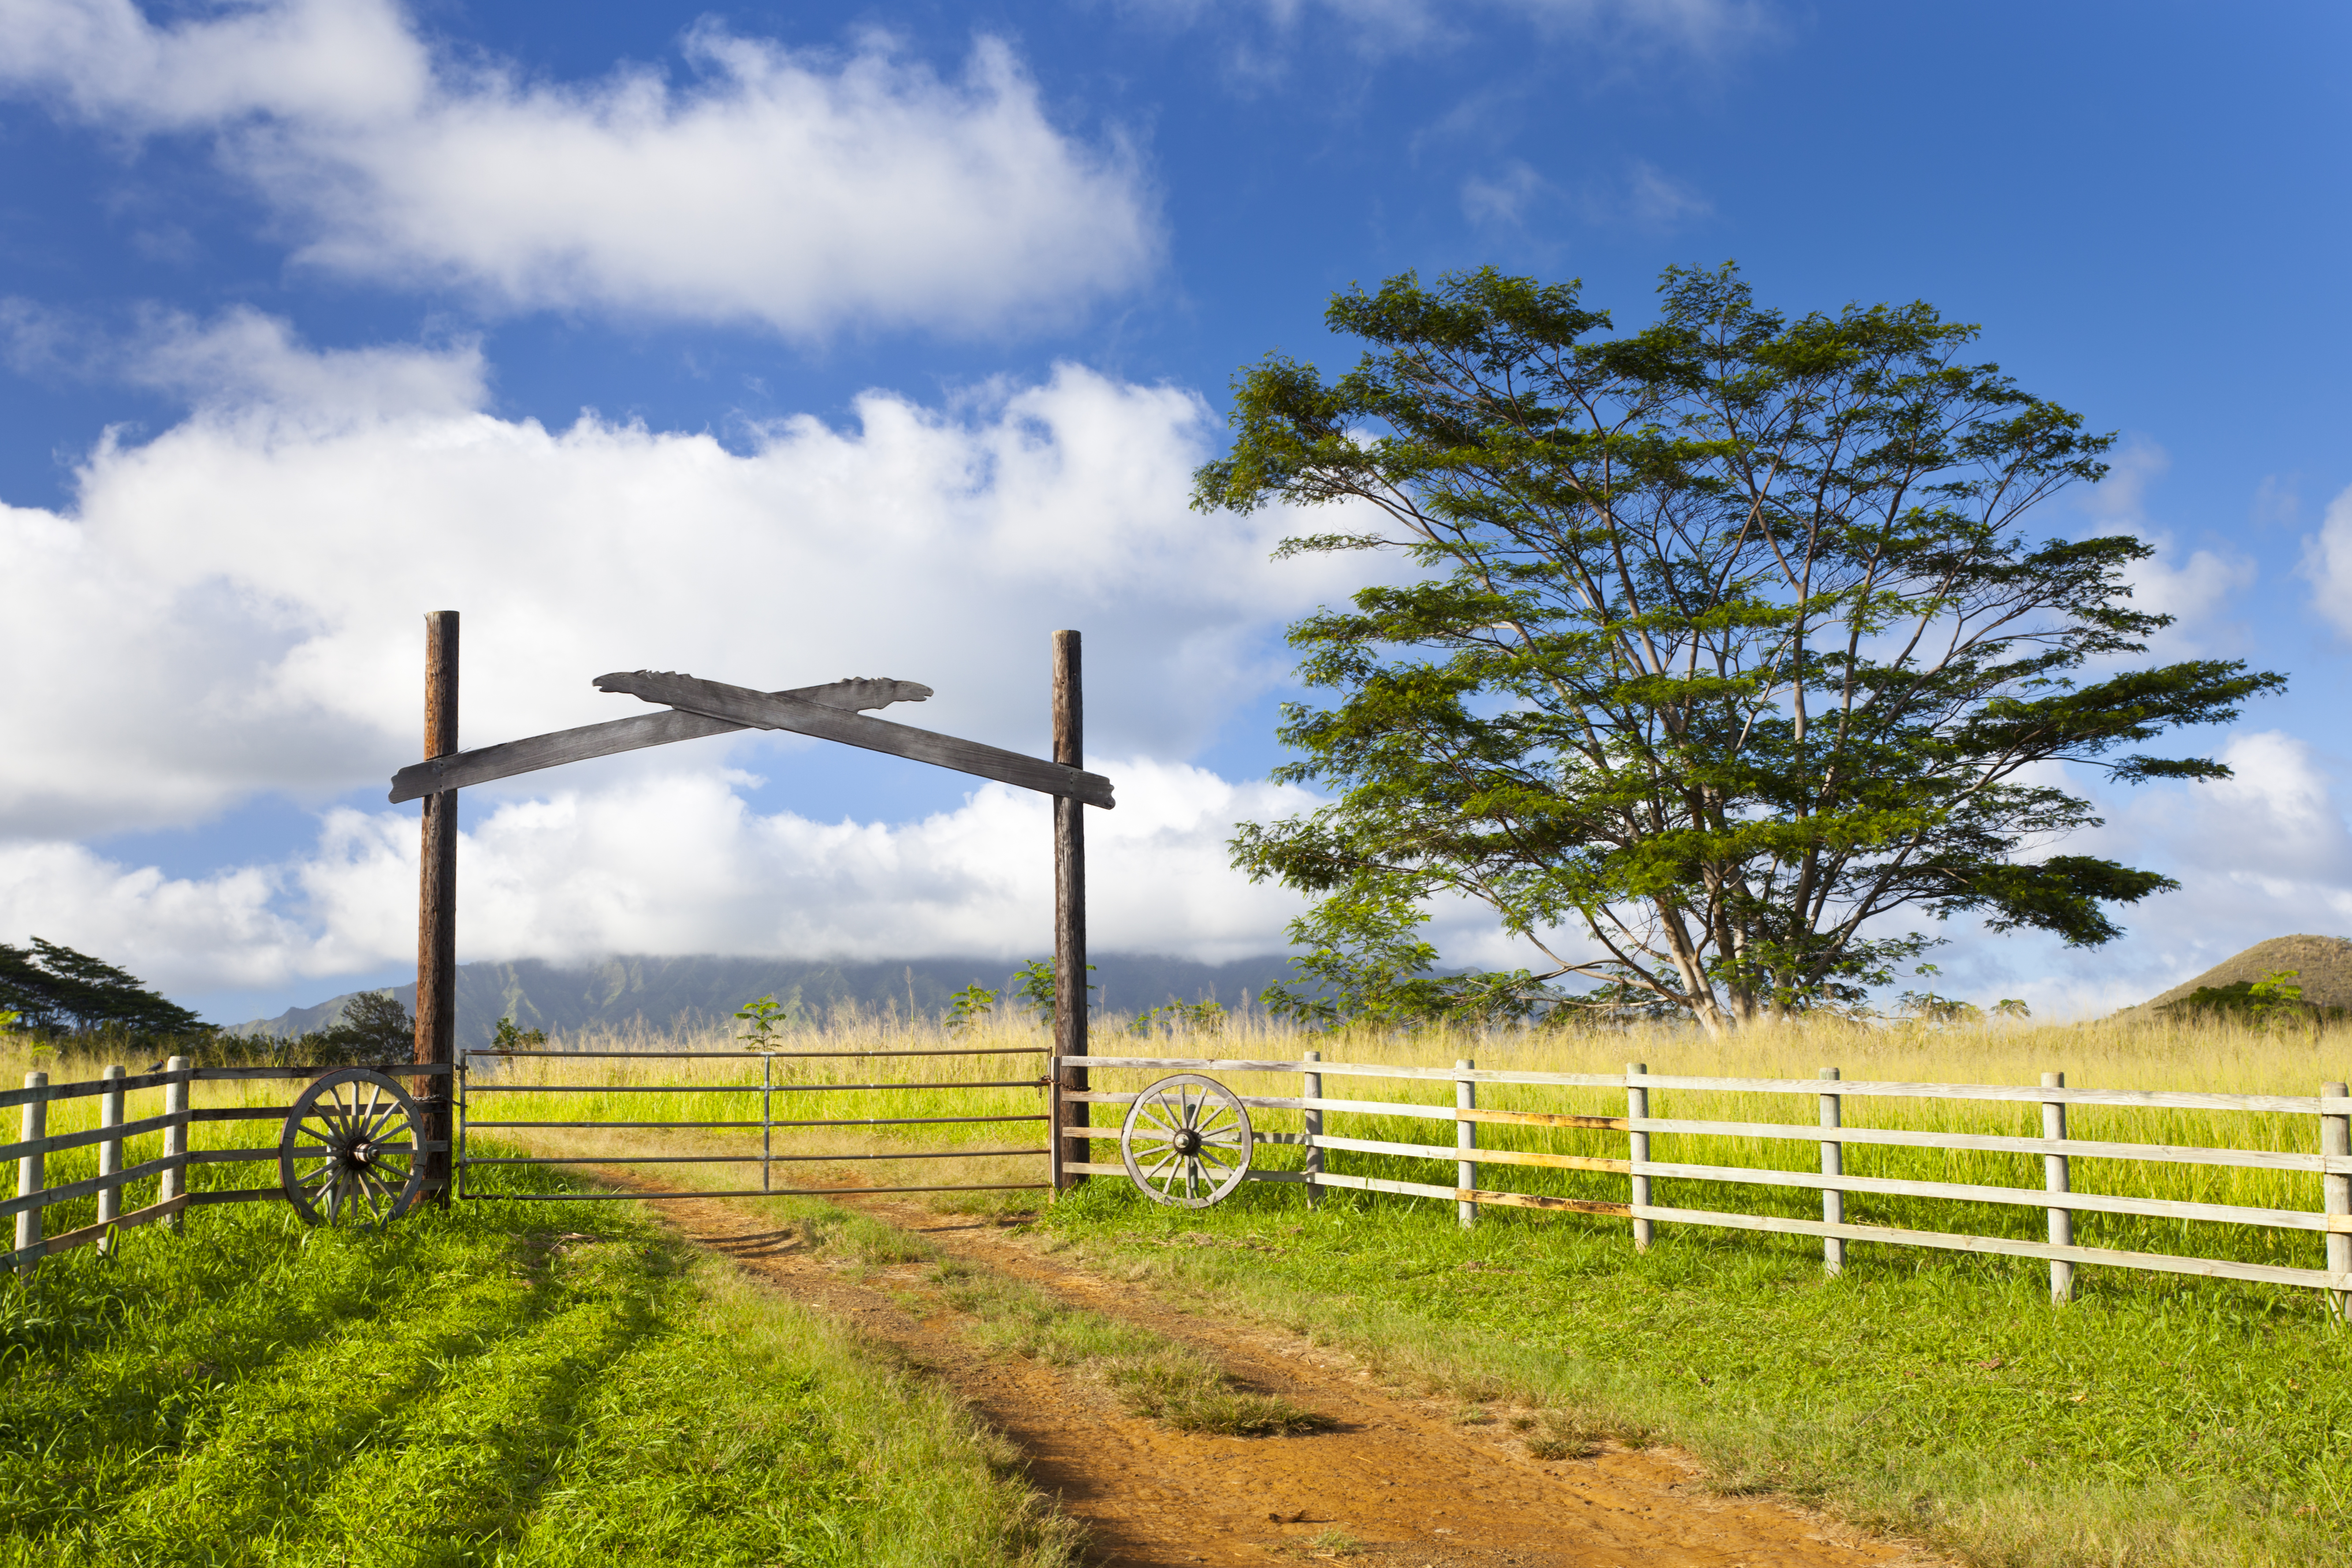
<point>1410,1484</point>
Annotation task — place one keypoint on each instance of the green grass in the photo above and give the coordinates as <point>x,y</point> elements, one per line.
<point>1150,1374</point>
<point>2155,1420</point>
<point>547,1383</point>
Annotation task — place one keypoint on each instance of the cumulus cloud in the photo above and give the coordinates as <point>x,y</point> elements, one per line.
<point>799,189</point>
<point>232,609</point>
<point>2197,588</point>
<point>2327,564</point>
<point>2265,853</point>
<point>232,606</point>
<point>677,863</point>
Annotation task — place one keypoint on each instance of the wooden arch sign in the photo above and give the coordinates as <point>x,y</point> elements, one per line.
<point>694,708</point>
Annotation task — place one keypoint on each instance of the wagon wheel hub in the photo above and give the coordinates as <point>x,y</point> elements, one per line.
<point>1187,1141</point>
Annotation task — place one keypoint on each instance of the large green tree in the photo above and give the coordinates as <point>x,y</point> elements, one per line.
<point>1728,649</point>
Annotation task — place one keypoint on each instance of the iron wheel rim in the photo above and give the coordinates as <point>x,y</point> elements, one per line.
<point>1187,1141</point>
<point>349,1150</point>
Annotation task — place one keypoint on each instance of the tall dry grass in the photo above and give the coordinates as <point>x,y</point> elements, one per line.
<point>885,1084</point>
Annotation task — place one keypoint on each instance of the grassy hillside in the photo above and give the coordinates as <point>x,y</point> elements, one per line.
<point>2323,965</point>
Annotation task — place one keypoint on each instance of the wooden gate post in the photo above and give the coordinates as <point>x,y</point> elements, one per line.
<point>109,1158</point>
<point>2335,1188</point>
<point>437,905</point>
<point>1833,1164</point>
<point>2055,1179</point>
<point>1069,918</point>
<point>31,1173</point>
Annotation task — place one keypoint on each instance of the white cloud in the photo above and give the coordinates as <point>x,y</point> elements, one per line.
<point>1703,28</point>
<point>2327,563</point>
<point>2196,589</point>
<point>1504,199</point>
<point>1645,197</point>
<point>802,190</point>
<point>675,863</point>
<point>2265,853</point>
<point>1657,202</point>
<point>232,606</point>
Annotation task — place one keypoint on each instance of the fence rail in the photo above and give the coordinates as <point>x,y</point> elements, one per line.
<point>35,1144</point>
<point>2330,1160</point>
<point>768,1125</point>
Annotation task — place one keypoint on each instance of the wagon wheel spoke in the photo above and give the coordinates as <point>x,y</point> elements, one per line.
<point>339,1115</point>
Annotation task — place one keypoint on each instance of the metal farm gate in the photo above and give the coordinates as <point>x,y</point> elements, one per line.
<point>474,1082</point>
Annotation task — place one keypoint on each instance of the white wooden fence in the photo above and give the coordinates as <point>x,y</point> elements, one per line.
<point>2330,1160</point>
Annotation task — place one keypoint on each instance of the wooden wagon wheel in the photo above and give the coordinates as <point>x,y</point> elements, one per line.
<point>350,1142</point>
<point>1186,1142</point>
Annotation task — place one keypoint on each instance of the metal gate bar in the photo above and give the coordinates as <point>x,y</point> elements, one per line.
<point>754,1193</point>
<point>756,1088</point>
<point>842,1121</point>
<point>747,1056</point>
<point>767,1089</point>
<point>712,1159</point>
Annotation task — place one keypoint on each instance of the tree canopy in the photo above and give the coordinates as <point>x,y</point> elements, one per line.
<point>1728,651</point>
<point>50,986</point>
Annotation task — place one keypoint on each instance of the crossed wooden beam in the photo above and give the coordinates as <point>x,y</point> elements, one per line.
<point>694,708</point>
<point>698,708</point>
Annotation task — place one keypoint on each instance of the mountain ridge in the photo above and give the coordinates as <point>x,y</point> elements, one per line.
<point>661,994</point>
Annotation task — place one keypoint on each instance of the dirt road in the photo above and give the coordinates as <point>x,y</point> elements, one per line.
<point>1404,1480</point>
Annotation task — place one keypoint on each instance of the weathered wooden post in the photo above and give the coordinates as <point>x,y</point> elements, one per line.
<point>1833,1164</point>
<point>2055,1178</point>
<point>2335,1188</point>
<point>110,1157</point>
<point>1466,1138</point>
<point>1311,1086</point>
<point>1069,917</point>
<point>33,1124</point>
<point>437,905</point>
<point>1637,1145</point>
<point>172,1181</point>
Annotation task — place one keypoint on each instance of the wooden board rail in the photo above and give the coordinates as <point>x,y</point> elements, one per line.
<point>2300,1105</point>
<point>34,1195</point>
<point>2331,1162</point>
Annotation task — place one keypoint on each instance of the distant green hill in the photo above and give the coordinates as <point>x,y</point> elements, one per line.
<point>668,993</point>
<point>2323,966</point>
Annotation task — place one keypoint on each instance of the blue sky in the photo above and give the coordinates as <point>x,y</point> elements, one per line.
<point>780,345</point>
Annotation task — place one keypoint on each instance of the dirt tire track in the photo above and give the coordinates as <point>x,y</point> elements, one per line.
<point>1412,1484</point>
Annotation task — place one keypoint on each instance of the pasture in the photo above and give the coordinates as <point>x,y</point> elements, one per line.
<point>2154,1419</point>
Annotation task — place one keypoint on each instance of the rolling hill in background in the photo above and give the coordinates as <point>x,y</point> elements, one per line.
<point>663,994</point>
<point>2323,965</point>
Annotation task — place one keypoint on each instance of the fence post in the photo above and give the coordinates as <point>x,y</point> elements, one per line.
<point>767,1122</point>
<point>2055,1179</point>
<point>1069,919</point>
<point>1833,1164</point>
<point>437,912</point>
<point>34,1125</point>
<point>1466,1138</point>
<point>173,1181</point>
<point>2336,1138</point>
<point>110,1157</point>
<point>1637,1105</point>
<point>1311,1084</point>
